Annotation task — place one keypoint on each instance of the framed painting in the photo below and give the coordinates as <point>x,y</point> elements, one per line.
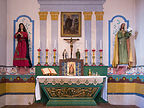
<point>70,24</point>
<point>71,67</point>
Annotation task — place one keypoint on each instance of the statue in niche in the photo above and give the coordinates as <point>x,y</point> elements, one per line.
<point>78,54</point>
<point>123,50</point>
<point>21,55</point>
<point>65,54</point>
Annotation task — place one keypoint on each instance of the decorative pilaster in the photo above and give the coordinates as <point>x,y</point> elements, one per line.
<point>99,34</point>
<point>54,15</point>
<point>99,15</point>
<point>87,17</point>
<point>54,33</point>
<point>43,15</point>
<point>43,29</point>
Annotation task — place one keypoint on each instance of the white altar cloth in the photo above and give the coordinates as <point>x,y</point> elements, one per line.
<point>70,80</point>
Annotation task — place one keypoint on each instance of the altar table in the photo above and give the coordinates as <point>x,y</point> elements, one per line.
<point>71,90</point>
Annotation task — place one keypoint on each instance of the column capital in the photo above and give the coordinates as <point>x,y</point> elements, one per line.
<point>99,15</point>
<point>54,15</point>
<point>43,15</point>
<point>87,15</point>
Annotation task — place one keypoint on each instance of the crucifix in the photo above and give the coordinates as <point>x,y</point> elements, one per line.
<point>71,42</point>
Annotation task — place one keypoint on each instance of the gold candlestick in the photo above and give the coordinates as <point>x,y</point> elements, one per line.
<point>101,57</point>
<point>46,64</point>
<point>54,50</point>
<point>93,57</point>
<point>39,50</point>
<point>86,57</point>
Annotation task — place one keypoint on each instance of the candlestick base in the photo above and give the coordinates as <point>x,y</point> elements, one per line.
<point>54,64</point>
<point>38,64</point>
<point>101,64</point>
<point>86,64</point>
<point>93,64</point>
<point>46,64</point>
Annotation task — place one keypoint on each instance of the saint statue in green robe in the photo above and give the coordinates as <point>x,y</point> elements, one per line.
<point>121,55</point>
<point>78,54</point>
<point>122,43</point>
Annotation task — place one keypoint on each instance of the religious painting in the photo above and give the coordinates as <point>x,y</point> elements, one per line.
<point>71,67</point>
<point>71,24</point>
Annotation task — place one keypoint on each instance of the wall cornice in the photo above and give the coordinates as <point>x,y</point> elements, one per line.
<point>71,5</point>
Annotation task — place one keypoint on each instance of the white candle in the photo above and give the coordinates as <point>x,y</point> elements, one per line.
<point>86,44</point>
<point>100,44</point>
<point>55,44</point>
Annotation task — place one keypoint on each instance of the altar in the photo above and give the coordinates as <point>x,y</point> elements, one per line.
<point>71,90</point>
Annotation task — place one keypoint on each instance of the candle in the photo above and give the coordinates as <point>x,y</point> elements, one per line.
<point>100,44</point>
<point>86,44</point>
<point>55,44</point>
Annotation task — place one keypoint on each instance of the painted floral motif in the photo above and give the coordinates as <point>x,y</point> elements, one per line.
<point>16,71</point>
<point>131,71</point>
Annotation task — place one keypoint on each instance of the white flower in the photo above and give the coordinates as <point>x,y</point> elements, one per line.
<point>129,29</point>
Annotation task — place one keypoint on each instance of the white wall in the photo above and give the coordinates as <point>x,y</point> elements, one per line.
<point>139,43</point>
<point>3,31</point>
<point>126,100</point>
<point>31,8</point>
<point>2,101</point>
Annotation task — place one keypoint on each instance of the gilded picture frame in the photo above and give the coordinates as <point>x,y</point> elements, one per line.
<point>65,67</point>
<point>71,24</point>
<point>71,69</point>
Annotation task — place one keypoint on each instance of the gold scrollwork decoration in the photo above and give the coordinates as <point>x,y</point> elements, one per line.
<point>71,92</point>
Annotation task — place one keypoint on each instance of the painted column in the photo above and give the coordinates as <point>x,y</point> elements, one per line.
<point>54,34</point>
<point>87,18</point>
<point>43,30</point>
<point>99,35</point>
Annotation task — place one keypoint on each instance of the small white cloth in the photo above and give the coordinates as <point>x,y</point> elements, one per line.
<point>37,90</point>
<point>70,80</point>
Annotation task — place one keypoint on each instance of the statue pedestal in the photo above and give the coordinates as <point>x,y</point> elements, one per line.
<point>121,69</point>
<point>23,71</point>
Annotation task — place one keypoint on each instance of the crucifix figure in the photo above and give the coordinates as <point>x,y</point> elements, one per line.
<point>71,41</point>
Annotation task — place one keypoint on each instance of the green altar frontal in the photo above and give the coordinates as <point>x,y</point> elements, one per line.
<point>66,95</point>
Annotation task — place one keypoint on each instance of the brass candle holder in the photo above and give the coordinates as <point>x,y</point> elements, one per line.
<point>54,50</point>
<point>93,57</point>
<point>101,57</point>
<point>46,63</point>
<point>39,50</point>
<point>86,57</point>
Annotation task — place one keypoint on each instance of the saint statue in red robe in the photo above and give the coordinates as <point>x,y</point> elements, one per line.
<point>21,56</point>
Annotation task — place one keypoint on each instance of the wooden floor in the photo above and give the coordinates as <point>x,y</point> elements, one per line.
<point>104,105</point>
